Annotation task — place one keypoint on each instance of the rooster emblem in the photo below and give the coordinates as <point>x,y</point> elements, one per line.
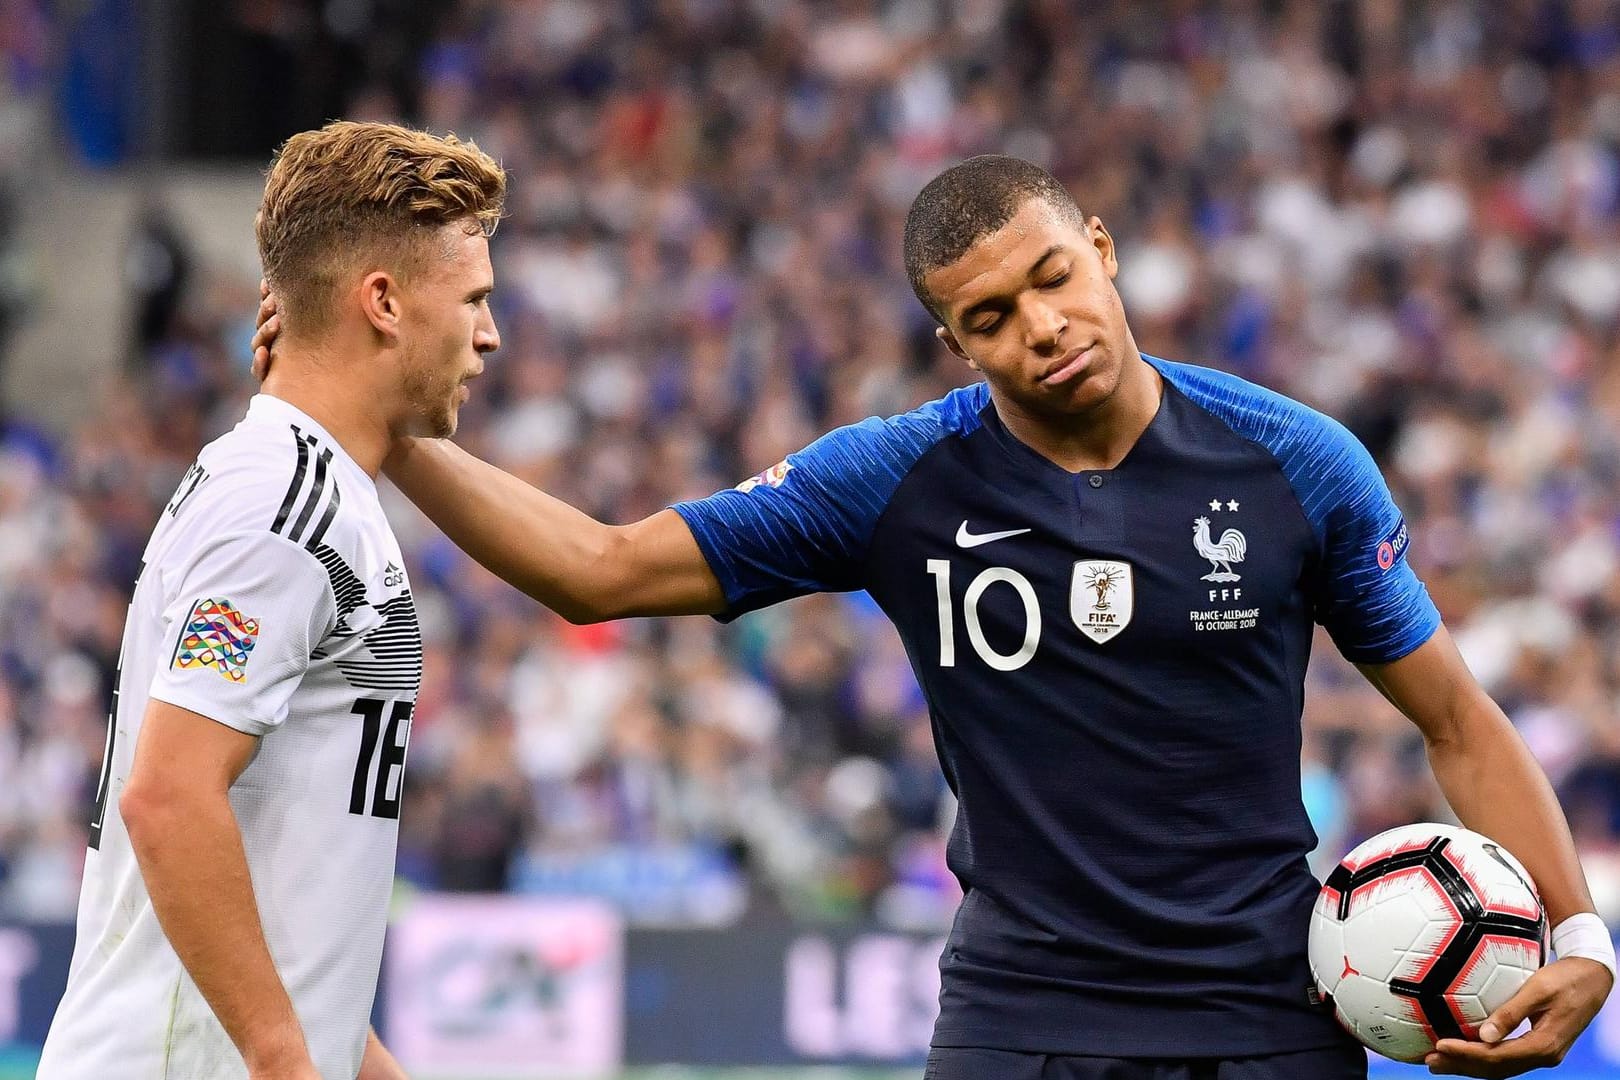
<point>1221,553</point>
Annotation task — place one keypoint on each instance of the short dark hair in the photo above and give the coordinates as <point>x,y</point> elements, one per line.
<point>967,202</point>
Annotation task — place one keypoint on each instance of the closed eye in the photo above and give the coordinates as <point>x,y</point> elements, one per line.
<point>1054,282</point>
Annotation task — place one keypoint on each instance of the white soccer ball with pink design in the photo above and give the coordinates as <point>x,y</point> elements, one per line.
<point>1421,933</point>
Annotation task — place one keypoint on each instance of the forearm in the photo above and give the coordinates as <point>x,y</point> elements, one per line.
<point>379,1064</point>
<point>536,542</point>
<point>1497,788</point>
<point>195,869</point>
<point>583,570</point>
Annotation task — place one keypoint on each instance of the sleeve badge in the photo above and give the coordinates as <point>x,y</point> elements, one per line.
<point>218,636</point>
<point>771,477</point>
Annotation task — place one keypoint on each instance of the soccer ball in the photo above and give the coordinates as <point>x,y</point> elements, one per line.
<point>1421,933</point>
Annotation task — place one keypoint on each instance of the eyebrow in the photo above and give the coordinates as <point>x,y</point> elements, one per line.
<point>991,303</point>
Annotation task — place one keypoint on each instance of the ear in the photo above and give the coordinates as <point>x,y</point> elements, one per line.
<point>955,346</point>
<point>380,300</point>
<point>1104,245</point>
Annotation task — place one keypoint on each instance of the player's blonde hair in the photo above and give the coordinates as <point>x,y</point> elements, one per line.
<point>351,196</point>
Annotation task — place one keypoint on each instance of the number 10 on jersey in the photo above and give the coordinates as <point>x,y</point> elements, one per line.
<point>1101,601</point>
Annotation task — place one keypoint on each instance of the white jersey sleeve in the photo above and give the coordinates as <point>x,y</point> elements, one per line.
<point>242,613</point>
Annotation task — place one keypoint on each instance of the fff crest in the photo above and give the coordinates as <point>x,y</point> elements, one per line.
<point>1101,597</point>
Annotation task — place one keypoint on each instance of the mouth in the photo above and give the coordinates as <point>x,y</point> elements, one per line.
<point>1068,366</point>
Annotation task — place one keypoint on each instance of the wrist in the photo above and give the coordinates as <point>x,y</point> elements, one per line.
<point>400,450</point>
<point>1585,936</point>
<point>275,1050</point>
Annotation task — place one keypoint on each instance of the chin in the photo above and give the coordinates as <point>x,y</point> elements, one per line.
<point>1090,393</point>
<point>435,424</point>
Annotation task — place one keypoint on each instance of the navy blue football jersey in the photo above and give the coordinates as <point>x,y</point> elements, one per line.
<point>1114,663</point>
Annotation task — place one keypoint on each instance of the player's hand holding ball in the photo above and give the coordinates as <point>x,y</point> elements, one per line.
<point>1559,1001</point>
<point>1430,942</point>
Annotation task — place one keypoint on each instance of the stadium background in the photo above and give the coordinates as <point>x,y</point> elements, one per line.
<point>719,845</point>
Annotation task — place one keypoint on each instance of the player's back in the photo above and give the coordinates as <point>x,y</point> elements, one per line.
<point>272,600</point>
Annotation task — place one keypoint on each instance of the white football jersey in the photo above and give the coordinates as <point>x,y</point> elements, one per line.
<point>273,600</point>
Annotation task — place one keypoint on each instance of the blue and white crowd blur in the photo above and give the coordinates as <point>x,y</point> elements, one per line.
<point>1407,215</point>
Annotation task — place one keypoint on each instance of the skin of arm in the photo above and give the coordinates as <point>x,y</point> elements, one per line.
<point>1485,770</point>
<point>378,1063</point>
<point>1497,788</point>
<point>580,568</point>
<point>189,847</point>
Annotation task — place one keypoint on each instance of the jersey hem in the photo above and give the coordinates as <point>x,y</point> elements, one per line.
<point>1066,1044</point>
<point>1389,656</point>
<point>212,710</point>
<point>710,552</point>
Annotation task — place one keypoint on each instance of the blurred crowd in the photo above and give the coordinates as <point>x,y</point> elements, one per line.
<point>1405,214</point>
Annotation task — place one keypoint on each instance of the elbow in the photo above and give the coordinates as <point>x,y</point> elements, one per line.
<point>593,610</point>
<point>580,614</point>
<point>602,589</point>
<point>155,813</point>
<point>143,811</point>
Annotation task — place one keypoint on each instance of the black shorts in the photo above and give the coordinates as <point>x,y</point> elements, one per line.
<point>1344,1062</point>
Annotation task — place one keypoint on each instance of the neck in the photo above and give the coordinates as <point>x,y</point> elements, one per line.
<point>335,399</point>
<point>1099,438</point>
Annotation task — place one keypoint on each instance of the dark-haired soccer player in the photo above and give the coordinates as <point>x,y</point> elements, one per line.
<point>1105,568</point>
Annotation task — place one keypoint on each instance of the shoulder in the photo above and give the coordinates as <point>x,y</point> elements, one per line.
<point>828,496</point>
<point>957,413</point>
<point>1277,422</point>
<point>893,444</point>
<point>1325,464</point>
<point>269,476</point>
<point>1296,434</point>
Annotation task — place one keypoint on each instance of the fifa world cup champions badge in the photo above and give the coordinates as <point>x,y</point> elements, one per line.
<point>218,636</point>
<point>1102,597</point>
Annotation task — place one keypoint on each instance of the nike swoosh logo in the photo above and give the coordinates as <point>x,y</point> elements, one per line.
<point>965,539</point>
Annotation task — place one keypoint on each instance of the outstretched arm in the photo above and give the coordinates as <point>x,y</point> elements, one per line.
<point>580,568</point>
<point>1497,789</point>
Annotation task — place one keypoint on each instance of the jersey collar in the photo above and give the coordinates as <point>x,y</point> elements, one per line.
<point>268,409</point>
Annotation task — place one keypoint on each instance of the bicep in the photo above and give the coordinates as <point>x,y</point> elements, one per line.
<point>662,570</point>
<point>180,751</point>
<point>1431,685</point>
<point>1368,596</point>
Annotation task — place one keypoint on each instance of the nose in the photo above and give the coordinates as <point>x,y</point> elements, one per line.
<point>1043,326</point>
<point>486,338</point>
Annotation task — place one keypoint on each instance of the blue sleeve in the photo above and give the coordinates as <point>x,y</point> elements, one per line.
<point>1364,591</point>
<point>1368,596</point>
<point>804,525</point>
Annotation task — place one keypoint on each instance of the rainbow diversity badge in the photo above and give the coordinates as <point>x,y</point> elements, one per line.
<point>216,636</point>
